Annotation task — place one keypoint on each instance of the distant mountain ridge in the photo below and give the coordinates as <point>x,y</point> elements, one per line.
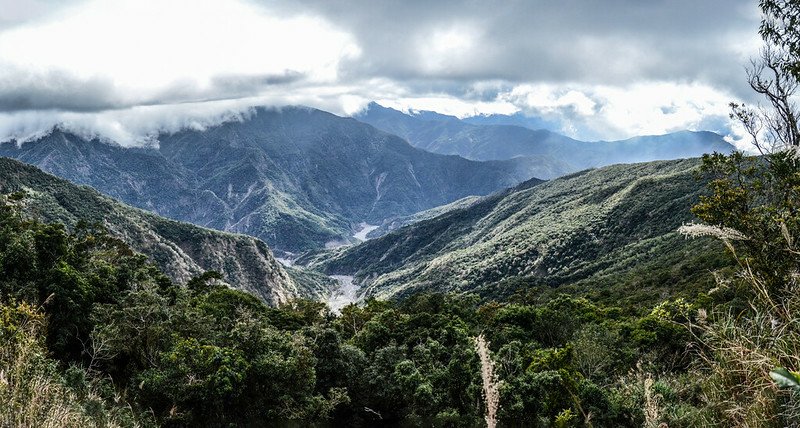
<point>295,177</point>
<point>181,250</point>
<point>491,138</point>
<point>516,119</point>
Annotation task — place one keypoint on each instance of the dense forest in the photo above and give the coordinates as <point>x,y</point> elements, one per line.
<point>116,342</point>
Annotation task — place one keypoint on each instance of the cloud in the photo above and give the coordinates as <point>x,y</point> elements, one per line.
<point>597,112</point>
<point>611,42</point>
<point>133,126</point>
<point>599,70</point>
<point>21,90</point>
<point>618,112</point>
<point>587,112</point>
<point>137,125</point>
<point>121,53</point>
<point>17,12</point>
<point>61,90</point>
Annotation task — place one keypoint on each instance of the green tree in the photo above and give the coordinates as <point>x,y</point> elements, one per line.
<point>779,27</point>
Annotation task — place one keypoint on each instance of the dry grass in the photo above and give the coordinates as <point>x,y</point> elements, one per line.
<point>32,393</point>
<point>491,385</point>
<point>739,352</point>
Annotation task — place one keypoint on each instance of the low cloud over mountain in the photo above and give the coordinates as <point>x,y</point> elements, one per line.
<point>594,71</point>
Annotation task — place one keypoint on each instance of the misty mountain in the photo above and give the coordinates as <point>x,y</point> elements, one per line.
<point>609,227</point>
<point>141,177</point>
<point>449,135</point>
<point>181,250</point>
<point>516,119</point>
<point>297,178</point>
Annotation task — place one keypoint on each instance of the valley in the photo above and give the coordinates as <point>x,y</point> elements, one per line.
<point>275,174</point>
<point>582,230</point>
<point>347,207</point>
<point>343,245</point>
<point>396,219</point>
<point>345,294</point>
<point>363,231</point>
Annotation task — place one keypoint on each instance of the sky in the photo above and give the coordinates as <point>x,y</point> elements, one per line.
<point>596,70</point>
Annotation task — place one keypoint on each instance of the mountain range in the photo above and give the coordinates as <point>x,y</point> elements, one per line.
<point>296,177</point>
<point>494,138</point>
<point>303,179</point>
<point>516,119</point>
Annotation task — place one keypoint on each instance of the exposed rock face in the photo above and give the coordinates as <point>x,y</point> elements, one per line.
<point>181,250</point>
<point>295,177</point>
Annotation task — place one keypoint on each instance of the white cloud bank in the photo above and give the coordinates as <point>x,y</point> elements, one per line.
<point>112,53</point>
<point>610,112</point>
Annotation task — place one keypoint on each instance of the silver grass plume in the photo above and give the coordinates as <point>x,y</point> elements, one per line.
<point>696,230</point>
<point>491,385</point>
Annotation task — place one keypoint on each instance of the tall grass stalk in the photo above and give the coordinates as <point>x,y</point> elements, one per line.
<point>32,390</point>
<point>491,385</point>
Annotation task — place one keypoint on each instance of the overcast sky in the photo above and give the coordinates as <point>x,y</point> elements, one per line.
<point>606,69</point>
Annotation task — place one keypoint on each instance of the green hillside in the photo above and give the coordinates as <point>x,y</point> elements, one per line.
<point>181,250</point>
<point>591,230</point>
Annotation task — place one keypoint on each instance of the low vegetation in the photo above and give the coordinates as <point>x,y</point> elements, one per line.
<point>94,334</point>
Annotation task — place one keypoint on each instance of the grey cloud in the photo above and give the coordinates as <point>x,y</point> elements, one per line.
<point>222,87</point>
<point>246,84</point>
<point>588,42</point>
<point>16,12</point>
<point>594,42</point>
<point>21,91</point>
<point>56,90</point>
<point>613,42</point>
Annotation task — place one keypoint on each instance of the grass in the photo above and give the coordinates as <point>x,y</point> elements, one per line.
<point>35,393</point>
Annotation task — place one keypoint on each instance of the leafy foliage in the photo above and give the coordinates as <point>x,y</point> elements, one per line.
<point>752,209</point>
<point>785,378</point>
<point>757,197</point>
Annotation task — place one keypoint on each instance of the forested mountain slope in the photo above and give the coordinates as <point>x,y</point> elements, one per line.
<point>327,171</point>
<point>579,229</point>
<point>181,250</point>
